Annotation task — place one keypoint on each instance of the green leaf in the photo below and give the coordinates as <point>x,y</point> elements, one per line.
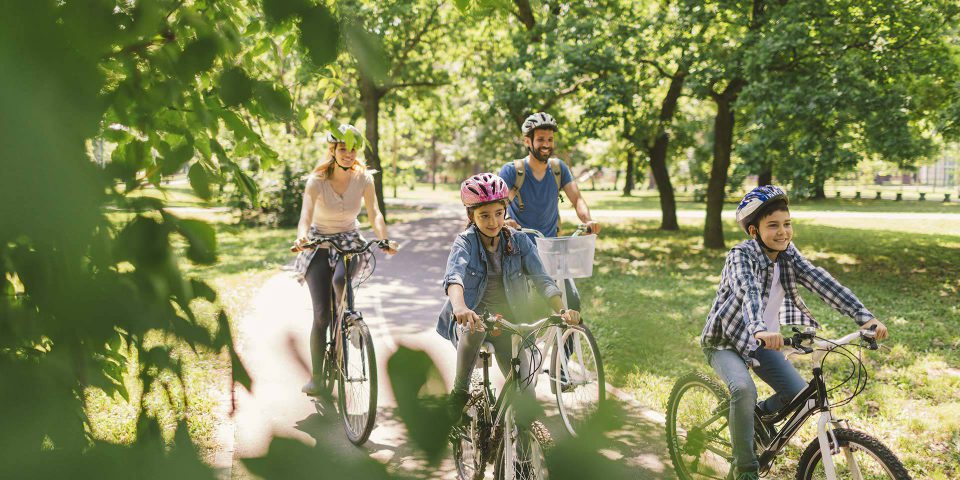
<point>412,374</point>
<point>197,57</point>
<point>203,290</point>
<point>367,48</point>
<point>245,184</point>
<point>200,180</point>
<point>274,100</point>
<point>319,33</point>
<point>235,87</point>
<point>175,159</point>
<point>238,126</point>
<point>201,238</point>
<point>278,11</point>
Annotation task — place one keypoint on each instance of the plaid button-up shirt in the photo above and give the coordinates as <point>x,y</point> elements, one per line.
<point>737,312</point>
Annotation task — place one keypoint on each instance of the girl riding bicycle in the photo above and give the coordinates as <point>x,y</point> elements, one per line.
<point>758,292</point>
<point>487,271</point>
<point>331,203</point>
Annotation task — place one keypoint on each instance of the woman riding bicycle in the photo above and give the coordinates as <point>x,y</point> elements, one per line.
<point>331,203</point>
<point>487,271</point>
<point>758,292</point>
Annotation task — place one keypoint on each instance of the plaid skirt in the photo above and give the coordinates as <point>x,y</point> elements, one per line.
<point>347,240</point>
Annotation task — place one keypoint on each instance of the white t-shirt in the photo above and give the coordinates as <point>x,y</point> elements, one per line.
<point>771,314</point>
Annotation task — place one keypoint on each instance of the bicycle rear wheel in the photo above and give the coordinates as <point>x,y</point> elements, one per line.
<point>860,456</point>
<point>522,451</point>
<point>357,399</point>
<point>577,377</point>
<point>698,434</point>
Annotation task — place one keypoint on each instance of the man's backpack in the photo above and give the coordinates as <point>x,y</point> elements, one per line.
<point>519,165</point>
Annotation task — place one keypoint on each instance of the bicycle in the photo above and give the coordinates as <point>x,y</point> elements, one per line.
<point>351,361</point>
<point>491,432</point>
<point>576,377</point>
<point>699,441</point>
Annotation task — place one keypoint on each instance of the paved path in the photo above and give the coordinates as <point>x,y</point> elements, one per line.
<point>400,303</point>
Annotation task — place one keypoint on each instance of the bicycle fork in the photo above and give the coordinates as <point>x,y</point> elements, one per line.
<point>830,446</point>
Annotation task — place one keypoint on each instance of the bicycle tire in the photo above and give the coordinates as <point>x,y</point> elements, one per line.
<point>473,466</point>
<point>578,405</point>
<point>677,443</point>
<point>540,441</point>
<point>847,438</point>
<point>358,414</point>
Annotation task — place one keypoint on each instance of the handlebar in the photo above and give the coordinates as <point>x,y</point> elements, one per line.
<point>800,338</point>
<point>581,228</point>
<point>333,241</point>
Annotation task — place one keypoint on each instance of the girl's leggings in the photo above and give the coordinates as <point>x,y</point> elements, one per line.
<point>324,283</point>
<point>468,349</point>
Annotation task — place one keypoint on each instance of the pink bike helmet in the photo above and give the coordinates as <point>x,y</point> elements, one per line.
<point>482,188</point>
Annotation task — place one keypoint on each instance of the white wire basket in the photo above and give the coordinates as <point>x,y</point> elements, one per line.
<point>567,257</point>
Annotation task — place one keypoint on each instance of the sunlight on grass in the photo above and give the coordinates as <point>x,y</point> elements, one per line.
<point>648,300</point>
<point>247,258</point>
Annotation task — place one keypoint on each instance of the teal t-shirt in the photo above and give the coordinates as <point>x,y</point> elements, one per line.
<point>540,204</point>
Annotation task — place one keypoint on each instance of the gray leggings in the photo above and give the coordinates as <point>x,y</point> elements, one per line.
<point>468,349</point>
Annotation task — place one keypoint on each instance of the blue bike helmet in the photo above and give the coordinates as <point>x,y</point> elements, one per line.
<point>754,200</point>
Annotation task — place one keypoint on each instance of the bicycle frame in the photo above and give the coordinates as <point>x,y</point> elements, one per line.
<point>495,416</point>
<point>806,404</point>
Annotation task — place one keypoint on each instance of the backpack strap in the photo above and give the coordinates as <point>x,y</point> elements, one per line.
<point>519,165</point>
<point>555,168</point>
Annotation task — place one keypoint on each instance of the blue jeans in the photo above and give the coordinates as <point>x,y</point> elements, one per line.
<point>775,370</point>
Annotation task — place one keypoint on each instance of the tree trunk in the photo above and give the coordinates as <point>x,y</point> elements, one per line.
<point>716,189</point>
<point>765,177</point>
<point>818,190</point>
<point>658,154</point>
<point>370,97</point>
<point>629,179</point>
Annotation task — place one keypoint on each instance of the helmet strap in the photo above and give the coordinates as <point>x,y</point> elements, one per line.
<point>484,236</point>
<point>341,166</point>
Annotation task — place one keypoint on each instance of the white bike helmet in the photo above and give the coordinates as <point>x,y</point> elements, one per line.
<point>538,120</point>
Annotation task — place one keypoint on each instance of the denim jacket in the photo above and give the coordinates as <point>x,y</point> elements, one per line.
<point>467,266</point>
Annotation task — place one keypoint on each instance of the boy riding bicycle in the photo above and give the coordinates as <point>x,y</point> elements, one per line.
<point>757,293</point>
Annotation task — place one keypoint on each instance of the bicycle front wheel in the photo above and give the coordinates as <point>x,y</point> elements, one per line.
<point>469,441</point>
<point>698,433</point>
<point>860,456</point>
<point>522,451</point>
<point>577,377</point>
<point>357,390</point>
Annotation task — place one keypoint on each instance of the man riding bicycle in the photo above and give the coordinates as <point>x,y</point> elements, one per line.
<point>536,182</point>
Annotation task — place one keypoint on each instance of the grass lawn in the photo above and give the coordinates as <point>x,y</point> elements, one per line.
<point>247,258</point>
<point>649,200</point>
<point>651,291</point>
